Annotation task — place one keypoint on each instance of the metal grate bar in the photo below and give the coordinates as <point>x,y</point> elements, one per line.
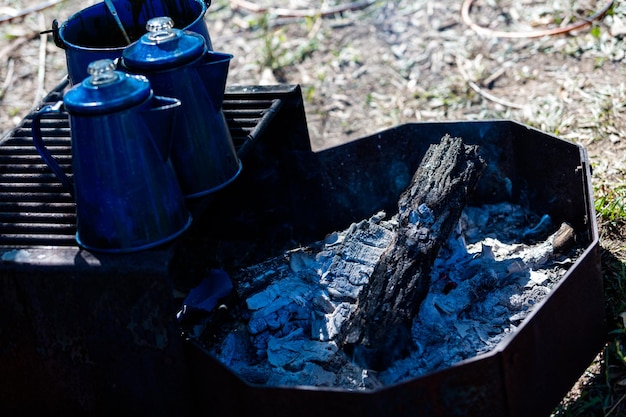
<point>30,208</point>
<point>31,240</point>
<point>12,178</point>
<point>39,218</point>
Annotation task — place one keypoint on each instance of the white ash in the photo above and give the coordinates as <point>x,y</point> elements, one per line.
<point>483,284</point>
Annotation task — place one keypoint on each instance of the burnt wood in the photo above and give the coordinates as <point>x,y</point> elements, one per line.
<point>379,330</point>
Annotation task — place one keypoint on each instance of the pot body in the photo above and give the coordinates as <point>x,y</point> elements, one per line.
<point>178,64</point>
<point>127,194</point>
<point>203,153</point>
<point>92,33</point>
<point>125,188</point>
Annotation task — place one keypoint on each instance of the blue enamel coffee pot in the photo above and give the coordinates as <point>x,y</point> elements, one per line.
<point>179,64</point>
<point>126,192</point>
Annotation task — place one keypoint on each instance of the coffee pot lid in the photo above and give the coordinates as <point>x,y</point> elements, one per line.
<point>163,47</point>
<point>106,90</point>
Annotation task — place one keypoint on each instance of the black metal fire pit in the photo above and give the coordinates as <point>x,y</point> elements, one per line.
<point>96,335</point>
<point>298,196</point>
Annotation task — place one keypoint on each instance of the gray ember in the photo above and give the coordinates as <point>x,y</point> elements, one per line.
<point>500,262</point>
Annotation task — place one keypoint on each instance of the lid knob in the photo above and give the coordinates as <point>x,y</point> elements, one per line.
<point>160,29</point>
<point>102,72</point>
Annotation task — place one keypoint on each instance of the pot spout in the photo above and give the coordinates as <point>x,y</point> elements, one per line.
<point>159,120</point>
<point>214,72</point>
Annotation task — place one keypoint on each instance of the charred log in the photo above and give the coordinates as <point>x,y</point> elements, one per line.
<point>378,331</point>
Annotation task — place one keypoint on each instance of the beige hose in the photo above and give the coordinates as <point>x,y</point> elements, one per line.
<point>467,5</point>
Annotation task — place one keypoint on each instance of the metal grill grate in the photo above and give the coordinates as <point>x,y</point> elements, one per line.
<point>35,210</point>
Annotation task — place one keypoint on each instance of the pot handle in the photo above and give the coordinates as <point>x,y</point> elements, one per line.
<point>55,34</point>
<point>43,151</point>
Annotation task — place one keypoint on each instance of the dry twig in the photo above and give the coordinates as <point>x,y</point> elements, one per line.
<point>8,51</point>
<point>29,10</point>
<point>41,71</point>
<point>16,44</point>
<point>481,91</point>
<point>8,79</point>
<point>283,12</point>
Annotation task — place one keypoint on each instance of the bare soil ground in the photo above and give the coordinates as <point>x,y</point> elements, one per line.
<point>559,66</point>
